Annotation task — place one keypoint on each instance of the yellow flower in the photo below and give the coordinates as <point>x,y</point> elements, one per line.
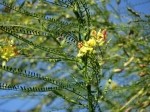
<point>8,52</point>
<point>83,50</point>
<point>80,44</point>
<point>91,42</point>
<point>104,32</point>
<point>100,42</point>
<point>95,39</point>
<point>86,49</point>
<point>93,33</point>
<point>99,35</point>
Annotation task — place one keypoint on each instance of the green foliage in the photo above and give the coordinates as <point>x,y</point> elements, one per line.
<point>39,47</point>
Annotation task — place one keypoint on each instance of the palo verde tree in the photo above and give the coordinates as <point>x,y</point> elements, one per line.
<point>79,53</point>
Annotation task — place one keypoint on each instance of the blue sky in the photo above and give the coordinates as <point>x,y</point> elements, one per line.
<point>140,6</point>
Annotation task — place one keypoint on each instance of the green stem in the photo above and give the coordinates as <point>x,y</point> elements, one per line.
<point>91,107</point>
<point>90,101</point>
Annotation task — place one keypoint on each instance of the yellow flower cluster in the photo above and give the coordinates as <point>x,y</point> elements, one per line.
<point>7,52</point>
<point>96,38</point>
<point>99,36</point>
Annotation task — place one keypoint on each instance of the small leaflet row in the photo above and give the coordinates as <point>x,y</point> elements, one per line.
<point>31,43</point>
<point>133,12</point>
<point>24,73</point>
<point>24,30</point>
<point>22,11</point>
<point>5,86</point>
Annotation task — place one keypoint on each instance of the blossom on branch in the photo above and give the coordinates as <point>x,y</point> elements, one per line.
<point>96,39</point>
<point>8,52</point>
